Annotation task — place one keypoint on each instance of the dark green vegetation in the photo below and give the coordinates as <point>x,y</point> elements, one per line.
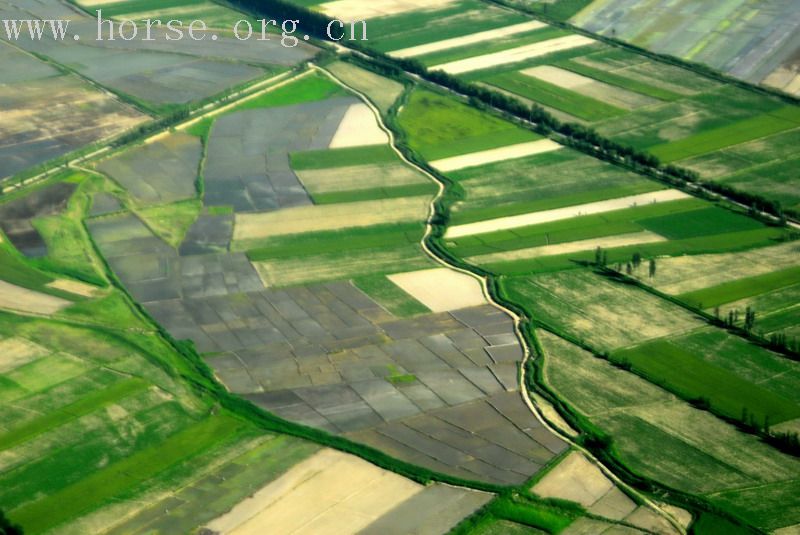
<point>310,88</point>
<point>518,514</point>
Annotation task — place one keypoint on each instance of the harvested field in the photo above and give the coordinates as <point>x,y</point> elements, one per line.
<point>545,216</point>
<point>501,154</point>
<point>358,127</point>
<point>333,492</point>
<point>356,10</point>
<point>616,96</point>
<point>161,172</point>
<point>475,38</point>
<point>302,219</point>
<point>575,479</point>
<point>14,297</point>
<point>441,289</point>
<point>608,242</point>
<point>515,55</point>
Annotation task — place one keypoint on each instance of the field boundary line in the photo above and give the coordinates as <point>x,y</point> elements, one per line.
<point>487,294</point>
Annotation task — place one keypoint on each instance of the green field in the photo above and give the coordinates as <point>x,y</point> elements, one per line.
<point>309,88</point>
<point>650,90</point>
<point>665,363</point>
<point>554,96</point>
<point>704,142</point>
<point>541,182</point>
<point>345,157</point>
<point>741,288</point>
<point>438,127</point>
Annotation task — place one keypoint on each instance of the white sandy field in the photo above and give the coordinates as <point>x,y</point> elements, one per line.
<point>589,87</point>
<point>465,40</point>
<point>510,152</point>
<point>441,289</point>
<point>300,219</point>
<point>514,55</point>
<point>546,216</point>
<point>606,242</point>
<point>358,127</point>
<point>13,297</point>
<point>356,10</point>
<point>330,492</point>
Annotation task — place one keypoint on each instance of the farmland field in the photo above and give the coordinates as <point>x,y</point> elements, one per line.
<point>314,289</point>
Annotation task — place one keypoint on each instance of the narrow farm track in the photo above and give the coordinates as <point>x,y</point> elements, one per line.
<point>527,354</point>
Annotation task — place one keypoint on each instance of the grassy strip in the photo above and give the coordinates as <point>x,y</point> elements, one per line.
<point>390,296</point>
<point>63,415</point>
<point>309,88</point>
<point>727,292</point>
<point>345,157</point>
<point>335,241</point>
<point>756,127</point>
<point>619,81</point>
<point>104,484</point>
<point>554,96</point>
<point>690,377</point>
<point>373,194</point>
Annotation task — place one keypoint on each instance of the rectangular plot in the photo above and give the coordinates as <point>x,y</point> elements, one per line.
<point>421,395</point>
<point>451,386</point>
<point>483,379</point>
<point>418,441</point>
<point>385,399</point>
<point>446,350</point>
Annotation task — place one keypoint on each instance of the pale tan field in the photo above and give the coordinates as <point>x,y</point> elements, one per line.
<point>515,54</point>
<point>484,157</point>
<point>689,273</point>
<point>359,177</point>
<point>331,492</point>
<point>441,289</point>
<point>479,37</point>
<point>359,126</point>
<point>607,242</point>
<point>356,10</point>
<point>74,287</point>
<point>616,96</point>
<point>546,216</point>
<point>381,91</point>
<point>788,530</point>
<point>14,297</point>
<point>15,352</point>
<point>575,479</point>
<point>787,80</point>
<point>302,219</point>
